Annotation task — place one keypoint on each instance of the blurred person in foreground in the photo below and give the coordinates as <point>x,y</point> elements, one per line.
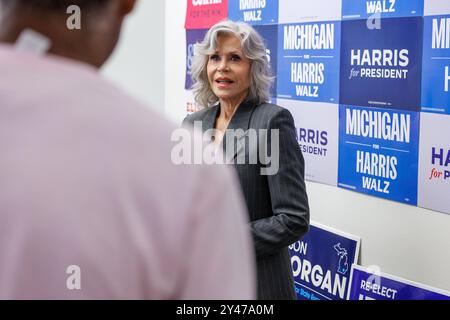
<point>87,186</point>
<point>232,79</point>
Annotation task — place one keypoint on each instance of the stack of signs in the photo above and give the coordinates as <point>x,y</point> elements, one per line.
<point>324,265</point>
<point>321,263</point>
<point>369,285</point>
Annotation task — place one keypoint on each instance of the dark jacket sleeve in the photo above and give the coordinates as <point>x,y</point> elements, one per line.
<point>290,220</point>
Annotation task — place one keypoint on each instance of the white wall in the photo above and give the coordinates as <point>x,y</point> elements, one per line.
<point>175,66</point>
<point>137,65</point>
<point>402,240</point>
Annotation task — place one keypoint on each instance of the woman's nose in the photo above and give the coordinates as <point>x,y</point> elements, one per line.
<point>223,66</point>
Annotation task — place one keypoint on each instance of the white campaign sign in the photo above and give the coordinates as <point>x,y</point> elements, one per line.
<point>189,99</point>
<point>306,10</point>
<point>436,7</point>
<point>434,162</point>
<point>317,127</point>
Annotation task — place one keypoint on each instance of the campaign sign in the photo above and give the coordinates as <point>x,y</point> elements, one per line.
<point>270,36</point>
<point>308,62</point>
<point>255,12</point>
<point>378,152</point>
<point>367,285</point>
<point>434,162</point>
<point>382,67</point>
<point>317,128</point>
<point>203,14</point>
<point>436,64</point>
<point>321,263</point>
<point>189,100</point>
<point>376,9</point>
<point>436,7</point>
<point>294,11</point>
<point>192,37</point>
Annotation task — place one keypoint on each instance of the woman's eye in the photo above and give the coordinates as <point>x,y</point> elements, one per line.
<point>214,57</point>
<point>235,57</point>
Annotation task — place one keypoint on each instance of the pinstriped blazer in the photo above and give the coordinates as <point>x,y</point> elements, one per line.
<point>277,203</point>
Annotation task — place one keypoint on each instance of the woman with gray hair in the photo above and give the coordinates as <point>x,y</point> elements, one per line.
<point>232,80</point>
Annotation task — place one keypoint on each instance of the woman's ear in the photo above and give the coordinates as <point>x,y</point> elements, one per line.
<point>127,6</point>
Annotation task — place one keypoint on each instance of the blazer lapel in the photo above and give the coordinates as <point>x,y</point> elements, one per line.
<point>210,118</point>
<point>232,141</point>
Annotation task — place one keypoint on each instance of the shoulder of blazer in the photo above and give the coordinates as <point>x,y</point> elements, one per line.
<point>266,112</point>
<point>197,116</point>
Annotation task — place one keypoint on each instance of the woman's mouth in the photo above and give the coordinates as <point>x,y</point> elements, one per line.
<point>224,82</point>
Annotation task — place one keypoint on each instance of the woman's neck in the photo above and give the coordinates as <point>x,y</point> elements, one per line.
<point>229,107</point>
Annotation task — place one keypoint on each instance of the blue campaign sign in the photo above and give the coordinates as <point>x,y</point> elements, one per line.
<point>366,285</point>
<point>308,61</point>
<point>382,67</point>
<point>255,12</point>
<point>192,37</point>
<point>321,263</point>
<point>436,65</point>
<point>378,152</point>
<point>364,9</point>
<point>270,35</point>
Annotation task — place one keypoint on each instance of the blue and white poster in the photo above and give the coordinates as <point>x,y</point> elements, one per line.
<point>382,67</point>
<point>434,162</point>
<point>367,285</point>
<point>192,37</point>
<point>308,61</point>
<point>295,11</point>
<point>378,152</point>
<point>317,128</point>
<point>322,262</point>
<point>365,9</point>
<point>436,65</point>
<point>270,35</point>
<point>255,12</point>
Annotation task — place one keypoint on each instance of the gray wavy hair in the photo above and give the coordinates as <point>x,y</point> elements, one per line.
<point>253,48</point>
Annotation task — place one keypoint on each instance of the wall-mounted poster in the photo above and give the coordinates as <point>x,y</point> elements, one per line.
<point>202,14</point>
<point>308,61</point>
<point>382,67</point>
<point>254,12</point>
<point>378,152</point>
<point>436,64</point>
<point>270,36</point>
<point>436,7</point>
<point>317,129</point>
<point>434,162</point>
<point>294,11</point>
<point>192,37</point>
<point>373,9</point>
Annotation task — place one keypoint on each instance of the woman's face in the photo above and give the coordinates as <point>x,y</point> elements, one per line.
<point>229,70</point>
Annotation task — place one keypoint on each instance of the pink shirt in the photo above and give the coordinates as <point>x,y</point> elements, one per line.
<point>86,179</point>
